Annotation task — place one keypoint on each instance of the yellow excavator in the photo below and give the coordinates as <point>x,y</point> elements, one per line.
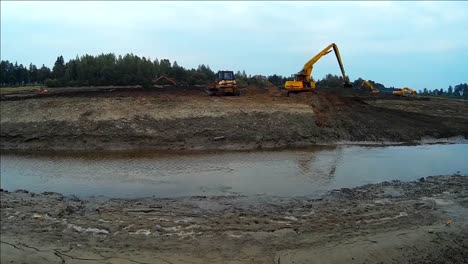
<point>374,91</point>
<point>402,92</point>
<point>303,80</point>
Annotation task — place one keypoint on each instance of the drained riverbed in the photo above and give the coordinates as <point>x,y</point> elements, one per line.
<point>284,173</point>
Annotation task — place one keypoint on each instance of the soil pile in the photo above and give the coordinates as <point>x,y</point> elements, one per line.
<point>353,119</point>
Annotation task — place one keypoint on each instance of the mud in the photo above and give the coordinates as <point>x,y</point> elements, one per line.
<point>391,222</point>
<point>438,107</point>
<point>186,118</point>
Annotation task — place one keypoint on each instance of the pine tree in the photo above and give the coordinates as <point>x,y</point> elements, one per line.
<point>58,71</point>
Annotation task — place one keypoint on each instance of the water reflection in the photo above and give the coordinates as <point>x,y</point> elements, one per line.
<point>319,167</point>
<point>281,173</point>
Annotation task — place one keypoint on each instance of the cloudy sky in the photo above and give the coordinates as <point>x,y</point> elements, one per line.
<point>416,44</point>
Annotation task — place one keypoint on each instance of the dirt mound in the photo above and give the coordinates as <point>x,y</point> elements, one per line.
<point>328,106</point>
<point>354,119</point>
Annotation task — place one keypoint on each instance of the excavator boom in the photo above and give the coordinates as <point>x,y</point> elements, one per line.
<point>303,81</point>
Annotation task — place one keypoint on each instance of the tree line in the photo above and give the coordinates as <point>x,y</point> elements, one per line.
<point>455,91</point>
<point>14,74</point>
<point>101,70</point>
<point>130,69</point>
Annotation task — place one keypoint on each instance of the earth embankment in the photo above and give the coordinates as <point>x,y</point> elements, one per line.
<point>189,119</point>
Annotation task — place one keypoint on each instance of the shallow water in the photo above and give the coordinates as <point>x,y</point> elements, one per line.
<point>311,171</point>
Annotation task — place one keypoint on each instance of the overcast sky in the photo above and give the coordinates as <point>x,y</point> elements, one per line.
<point>415,44</point>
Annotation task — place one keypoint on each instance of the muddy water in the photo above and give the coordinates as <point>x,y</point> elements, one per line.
<point>280,173</point>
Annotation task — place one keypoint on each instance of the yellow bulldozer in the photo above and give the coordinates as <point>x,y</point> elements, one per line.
<point>303,80</point>
<point>224,84</point>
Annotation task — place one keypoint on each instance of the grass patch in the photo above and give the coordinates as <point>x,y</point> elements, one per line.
<point>19,88</point>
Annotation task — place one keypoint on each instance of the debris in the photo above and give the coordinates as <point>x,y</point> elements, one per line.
<point>309,214</point>
<point>292,218</point>
<point>145,232</point>
<point>75,227</point>
<point>173,228</point>
<point>437,201</point>
<point>141,210</point>
<point>89,229</point>
<point>234,236</point>
<point>96,231</point>
<point>48,217</point>
<point>280,222</point>
<point>191,234</point>
<point>160,219</point>
<point>401,214</point>
<point>185,220</point>
<point>37,216</point>
<point>129,226</point>
<point>219,138</point>
<point>192,226</point>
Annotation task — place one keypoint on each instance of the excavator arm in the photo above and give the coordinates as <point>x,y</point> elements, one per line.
<point>309,66</point>
<point>303,80</point>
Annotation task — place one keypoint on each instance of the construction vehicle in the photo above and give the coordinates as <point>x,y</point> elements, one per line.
<point>402,92</point>
<point>303,80</point>
<point>224,84</point>
<point>373,90</point>
<point>42,91</point>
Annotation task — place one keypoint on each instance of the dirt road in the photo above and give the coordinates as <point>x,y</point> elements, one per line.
<point>392,222</point>
<point>189,119</point>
